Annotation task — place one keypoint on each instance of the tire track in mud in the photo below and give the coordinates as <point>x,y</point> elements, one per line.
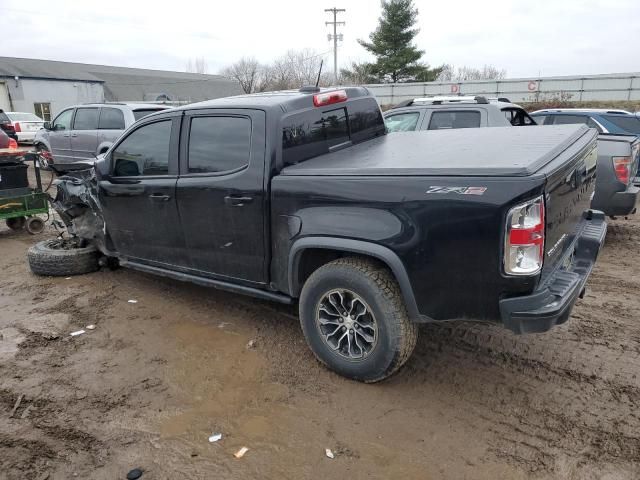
<point>564,401</point>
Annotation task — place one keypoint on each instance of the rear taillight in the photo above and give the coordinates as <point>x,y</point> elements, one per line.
<point>524,238</point>
<point>13,143</point>
<point>329,98</point>
<point>622,167</point>
<point>16,127</point>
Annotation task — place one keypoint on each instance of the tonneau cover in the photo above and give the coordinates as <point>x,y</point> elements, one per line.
<point>496,151</point>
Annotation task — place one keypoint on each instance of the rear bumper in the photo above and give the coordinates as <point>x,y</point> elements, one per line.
<point>621,203</point>
<point>553,300</point>
<point>26,137</point>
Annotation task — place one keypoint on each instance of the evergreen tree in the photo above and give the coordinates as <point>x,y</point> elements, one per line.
<point>397,58</point>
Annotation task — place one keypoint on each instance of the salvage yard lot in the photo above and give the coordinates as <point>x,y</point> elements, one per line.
<point>156,378</point>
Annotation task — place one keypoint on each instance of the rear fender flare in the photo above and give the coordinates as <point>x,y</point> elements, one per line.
<point>364,248</point>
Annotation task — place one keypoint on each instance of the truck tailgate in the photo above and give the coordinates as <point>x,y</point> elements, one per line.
<point>568,192</point>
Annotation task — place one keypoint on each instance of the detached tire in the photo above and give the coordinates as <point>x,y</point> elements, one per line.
<point>57,258</point>
<point>354,319</point>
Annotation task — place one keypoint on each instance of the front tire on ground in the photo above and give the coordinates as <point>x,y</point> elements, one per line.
<point>355,321</point>
<point>61,258</point>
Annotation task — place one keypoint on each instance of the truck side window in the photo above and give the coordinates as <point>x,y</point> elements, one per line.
<point>219,144</point>
<point>402,122</point>
<point>144,152</point>
<point>448,120</point>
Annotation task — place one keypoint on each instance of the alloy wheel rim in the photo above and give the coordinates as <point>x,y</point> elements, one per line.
<point>346,324</point>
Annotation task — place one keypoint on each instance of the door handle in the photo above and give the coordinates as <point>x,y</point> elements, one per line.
<point>74,135</point>
<point>66,135</point>
<point>159,197</point>
<point>236,201</point>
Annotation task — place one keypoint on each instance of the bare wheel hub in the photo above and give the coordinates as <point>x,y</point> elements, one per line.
<point>346,324</point>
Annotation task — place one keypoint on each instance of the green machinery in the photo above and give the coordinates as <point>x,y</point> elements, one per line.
<point>19,203</point>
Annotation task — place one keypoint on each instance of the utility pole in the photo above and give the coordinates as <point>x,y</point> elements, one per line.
<point>335,37</point>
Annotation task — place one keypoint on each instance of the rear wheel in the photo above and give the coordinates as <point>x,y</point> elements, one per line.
<point>16,223</point>
<point>355,321</point>
<point>59,258</point>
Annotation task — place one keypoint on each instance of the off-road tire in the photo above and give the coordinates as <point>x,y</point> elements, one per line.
<point>55,262</point>
<point>397,335</point>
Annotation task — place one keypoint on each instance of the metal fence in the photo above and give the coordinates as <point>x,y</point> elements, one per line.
<point>622,86</point>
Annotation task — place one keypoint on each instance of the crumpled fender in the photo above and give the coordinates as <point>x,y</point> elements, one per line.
<point>78,205</point>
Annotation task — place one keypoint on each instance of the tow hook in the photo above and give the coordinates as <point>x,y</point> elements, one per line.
<point>582,292</point>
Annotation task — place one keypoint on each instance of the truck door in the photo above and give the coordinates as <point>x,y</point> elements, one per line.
<point>60,137</point>
<point>139,195</point>
<point>84,135</point>
<point>221,193</point>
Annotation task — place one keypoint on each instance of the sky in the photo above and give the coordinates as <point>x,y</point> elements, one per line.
<point>524,37</point>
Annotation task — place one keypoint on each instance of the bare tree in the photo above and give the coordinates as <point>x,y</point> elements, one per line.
<point>247,72</point>
<point>197,65</point>
<point>450,73</point>
<point>295,69</point>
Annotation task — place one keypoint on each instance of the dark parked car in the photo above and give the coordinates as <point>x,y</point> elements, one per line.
<point>615,122</point>
<point>618,154</point>
<point>445,113</point>
<point>6,141</point>
<point>6,126</point>
<point>300,196</point>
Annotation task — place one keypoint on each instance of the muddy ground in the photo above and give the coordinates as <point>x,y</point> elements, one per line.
<point>156,378</point>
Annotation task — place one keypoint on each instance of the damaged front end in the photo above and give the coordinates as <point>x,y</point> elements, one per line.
<point>78,205</point>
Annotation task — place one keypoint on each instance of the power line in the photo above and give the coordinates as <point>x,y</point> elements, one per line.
<point>335,36</point>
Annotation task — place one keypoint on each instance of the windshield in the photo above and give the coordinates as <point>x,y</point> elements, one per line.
<point>138,114</point>
<point>628,123</point>
<point>24,117</point>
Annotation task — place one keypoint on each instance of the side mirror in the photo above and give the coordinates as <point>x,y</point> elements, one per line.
<point>47,126</point>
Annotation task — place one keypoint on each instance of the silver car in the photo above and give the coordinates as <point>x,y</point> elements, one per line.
<point>25,125</point>
<point>85,131</point>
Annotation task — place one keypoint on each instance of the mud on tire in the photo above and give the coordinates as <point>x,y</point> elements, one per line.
<point>57,258</point>
<point>378,290</point>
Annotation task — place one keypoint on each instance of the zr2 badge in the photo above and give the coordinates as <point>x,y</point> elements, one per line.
<point>458,190</point>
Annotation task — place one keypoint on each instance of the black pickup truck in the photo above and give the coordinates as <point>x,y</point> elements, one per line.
<point>300,196</point>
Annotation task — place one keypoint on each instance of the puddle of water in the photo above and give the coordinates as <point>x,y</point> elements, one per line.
<point>217,373</point>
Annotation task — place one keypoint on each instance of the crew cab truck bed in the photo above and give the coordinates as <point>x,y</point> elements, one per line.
<point>443,215</point>
<point>301,197</point>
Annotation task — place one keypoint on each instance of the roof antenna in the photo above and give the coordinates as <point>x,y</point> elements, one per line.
<point>319,72</point>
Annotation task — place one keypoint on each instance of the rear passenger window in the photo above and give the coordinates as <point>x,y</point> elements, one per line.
<point>86,119</point>
<point>144,152</point>
<point>111,119</point>
<point>402,122</point>
<point>449,120</point>
<point>219,144</point>
<point>313,133</point>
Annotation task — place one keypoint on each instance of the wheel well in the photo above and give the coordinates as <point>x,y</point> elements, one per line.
<point>313,258</point>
